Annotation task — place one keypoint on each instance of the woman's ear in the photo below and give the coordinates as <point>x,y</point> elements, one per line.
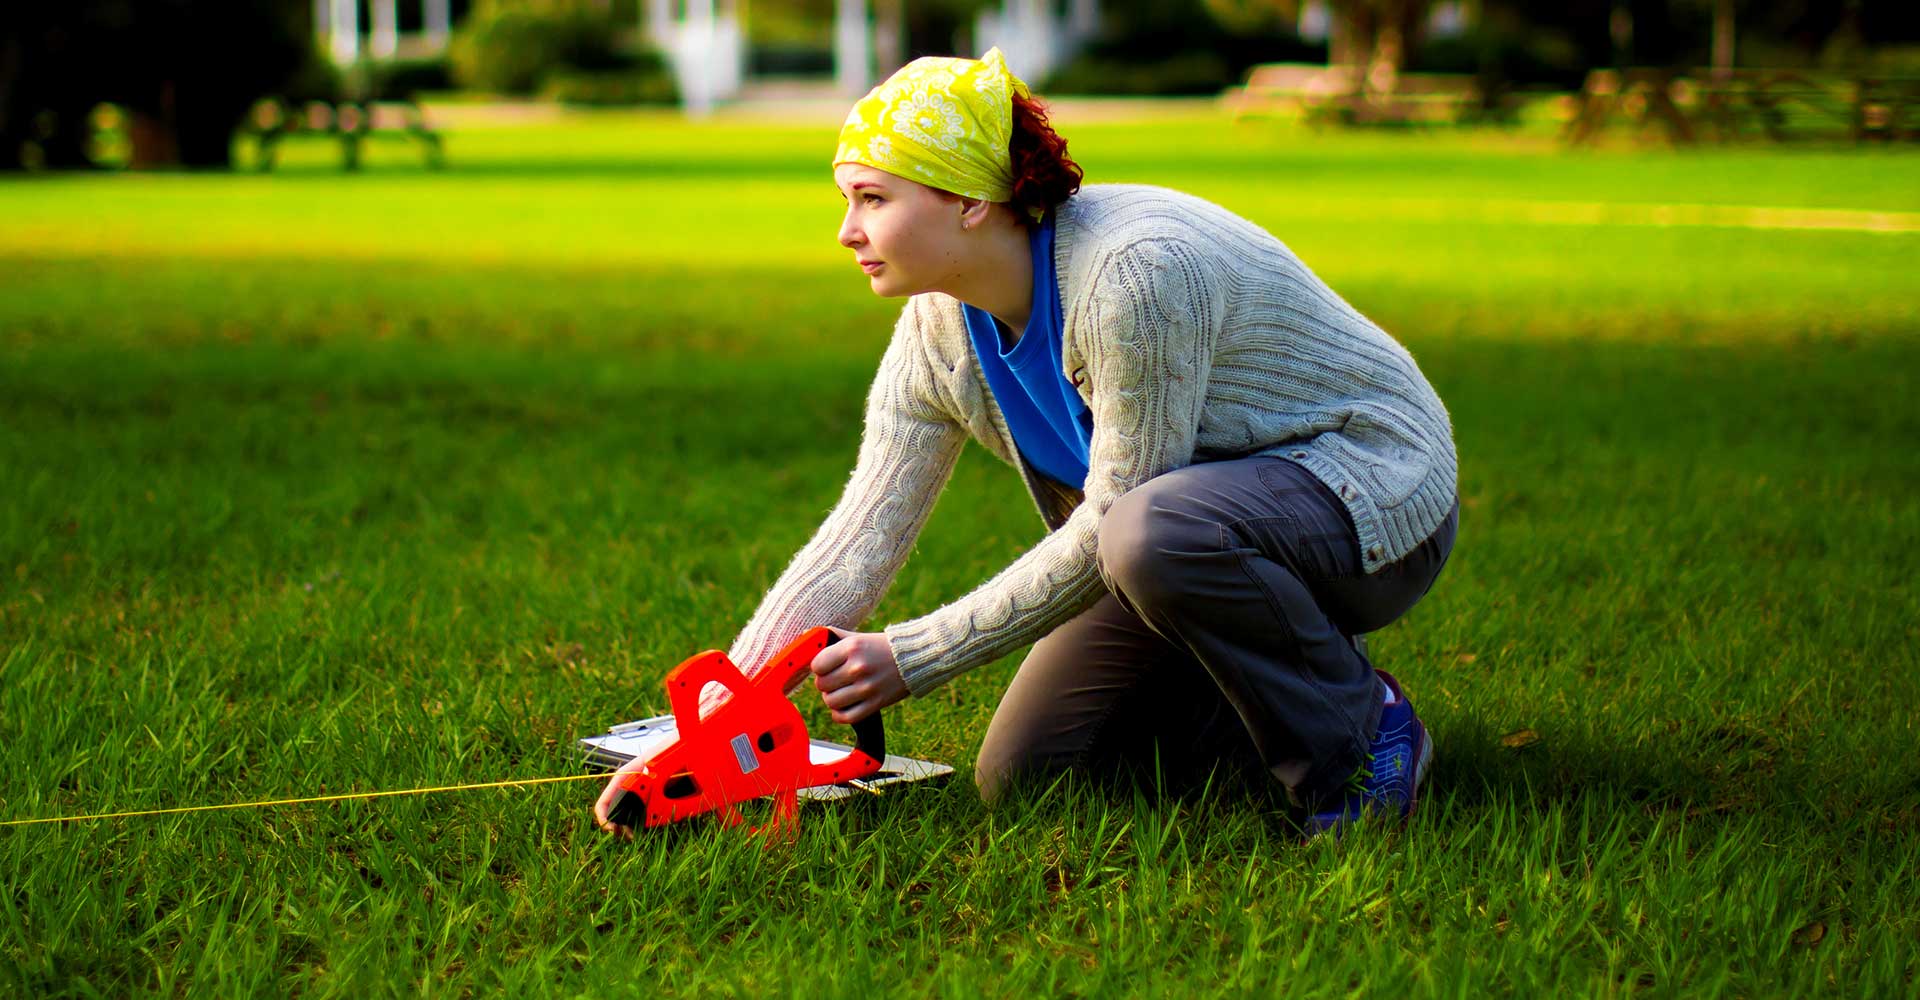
<point>973,212</point>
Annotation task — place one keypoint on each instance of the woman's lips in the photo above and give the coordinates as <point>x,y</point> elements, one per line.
<point>872,266</point>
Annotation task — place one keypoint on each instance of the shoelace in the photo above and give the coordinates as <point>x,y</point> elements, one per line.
<point>1357,782</point>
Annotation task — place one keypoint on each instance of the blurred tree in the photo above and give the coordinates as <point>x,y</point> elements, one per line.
<point>519,46</point>
<point>1555,43</point>
<point>941,27</point>
<point>1175,47</point>
<point>1377,34</point>
<point>44,91</point>
<point>186,71</point>
<point>796,36</point>
<point>1712,32</point>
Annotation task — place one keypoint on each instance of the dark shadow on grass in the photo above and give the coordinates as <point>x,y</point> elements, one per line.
<point>1163,785</point>
<point>1723,771</point>
<point>1714,770</point>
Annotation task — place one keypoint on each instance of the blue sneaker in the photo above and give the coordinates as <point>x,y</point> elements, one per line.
<point>1396,764</point>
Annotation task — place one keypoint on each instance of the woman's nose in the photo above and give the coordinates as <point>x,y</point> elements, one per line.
<point>849,233</point>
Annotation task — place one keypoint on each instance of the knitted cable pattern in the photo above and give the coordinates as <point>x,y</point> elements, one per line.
<point>1194,335</point>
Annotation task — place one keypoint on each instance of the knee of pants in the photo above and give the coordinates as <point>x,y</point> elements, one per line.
<point>1138,544</point>
<point>1002,764</point>
<point>994,772</point>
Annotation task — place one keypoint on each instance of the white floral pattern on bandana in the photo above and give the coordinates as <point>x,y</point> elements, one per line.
<point>945,121</point>
<point>992,89</point>
<point>931,119</point>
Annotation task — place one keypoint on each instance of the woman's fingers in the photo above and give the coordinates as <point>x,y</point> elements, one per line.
<point>846,696</point>
<point>855,712</point>
<point>831,682</point>
<point>845,675</point>
<point>829,659</point>
<point>857,677</point>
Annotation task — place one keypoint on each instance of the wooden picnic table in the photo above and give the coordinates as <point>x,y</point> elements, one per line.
<point>349,122</point>
<point>1321,94</point>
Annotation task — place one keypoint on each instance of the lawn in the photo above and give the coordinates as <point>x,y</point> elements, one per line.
<point>319,483</point>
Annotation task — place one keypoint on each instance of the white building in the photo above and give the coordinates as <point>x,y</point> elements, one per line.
<point>705,41</point>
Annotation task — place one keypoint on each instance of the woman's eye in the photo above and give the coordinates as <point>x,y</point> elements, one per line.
<point>871,199</point>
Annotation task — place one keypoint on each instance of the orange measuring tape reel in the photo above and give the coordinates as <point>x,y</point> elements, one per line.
<point>754,745</point>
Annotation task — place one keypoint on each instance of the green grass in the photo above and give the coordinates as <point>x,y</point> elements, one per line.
<point>319,483</point>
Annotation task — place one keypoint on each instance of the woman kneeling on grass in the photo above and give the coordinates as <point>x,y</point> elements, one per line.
<point>1240,473</point>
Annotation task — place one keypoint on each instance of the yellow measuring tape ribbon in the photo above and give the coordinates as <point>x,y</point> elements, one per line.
<point>343,797</point>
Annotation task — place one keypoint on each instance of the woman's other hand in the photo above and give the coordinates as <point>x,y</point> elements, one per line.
<point>857,676</point>
<point>611,792</point>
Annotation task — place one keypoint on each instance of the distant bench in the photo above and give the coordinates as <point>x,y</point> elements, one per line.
<point>1319,94</point>
<point>351,122</point>
<point>1726,104</point>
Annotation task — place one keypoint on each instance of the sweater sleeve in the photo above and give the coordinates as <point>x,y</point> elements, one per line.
<point>908,449</point>
<point>1153,317</point>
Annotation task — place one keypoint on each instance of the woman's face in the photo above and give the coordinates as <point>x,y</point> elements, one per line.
<point>905,235</point>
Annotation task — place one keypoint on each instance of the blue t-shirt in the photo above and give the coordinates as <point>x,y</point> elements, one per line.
<point>1051,425</point>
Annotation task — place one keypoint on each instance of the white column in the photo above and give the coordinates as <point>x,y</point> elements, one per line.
<point>852,47</point>
<point>438,17</point>
<point>1315,23</point>
<point>696,81</point>
<point>730,52</point>
<point>344,35</point>
<point>1084,18</point>
<point>1031,56</point>
<point>386,29</point>
<point>659,24</point>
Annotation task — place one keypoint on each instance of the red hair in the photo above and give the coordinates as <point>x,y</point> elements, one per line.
<point>1043,174</point>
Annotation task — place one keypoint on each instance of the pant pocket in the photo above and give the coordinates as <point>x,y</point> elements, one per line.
<point>1312,533</point>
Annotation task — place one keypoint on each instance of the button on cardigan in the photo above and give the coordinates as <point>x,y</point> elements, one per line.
<point>1193,335</point>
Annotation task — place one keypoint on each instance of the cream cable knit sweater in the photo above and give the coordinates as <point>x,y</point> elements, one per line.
<point>1194,335</point>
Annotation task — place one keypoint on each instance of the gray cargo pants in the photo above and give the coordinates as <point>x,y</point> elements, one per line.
<point>1227,636</point>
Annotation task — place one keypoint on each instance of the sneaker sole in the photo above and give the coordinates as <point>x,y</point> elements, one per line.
<point>1422,761</point>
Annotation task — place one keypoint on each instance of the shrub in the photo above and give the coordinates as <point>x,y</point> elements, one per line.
<point>183,71</point>
<point>1185,73</point>
<point>512,48</point>
<point>650,82</point>
<point>401,79</point>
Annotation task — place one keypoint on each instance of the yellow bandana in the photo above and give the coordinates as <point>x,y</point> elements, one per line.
<point>942,122</point>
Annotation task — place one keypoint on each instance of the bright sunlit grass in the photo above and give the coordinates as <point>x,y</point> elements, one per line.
<point>319,482</point>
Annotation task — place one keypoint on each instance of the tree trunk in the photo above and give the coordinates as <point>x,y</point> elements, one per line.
<point>184,128</point>
<point>1346,27</point>
<point>1375,39</point>
<point>152,143</point>
<point>889,36</point>
<point>1389,55</point>
<point>1723,40</point>
<point>1620,31</point>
